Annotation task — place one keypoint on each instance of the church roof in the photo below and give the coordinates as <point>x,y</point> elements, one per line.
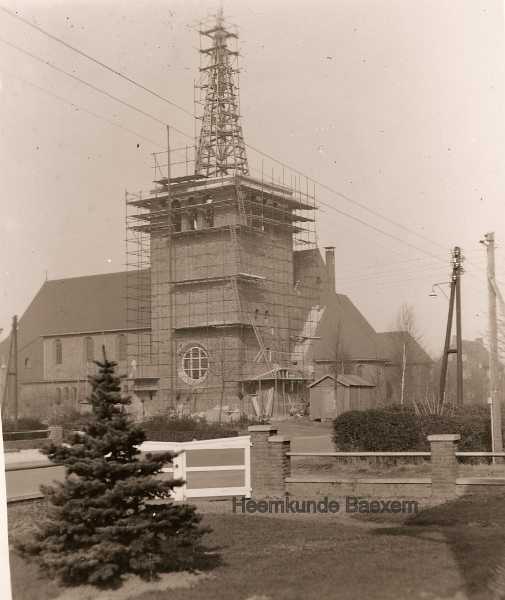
<point>391,343</point>
<point>75,305</point>
<point>342,333</point>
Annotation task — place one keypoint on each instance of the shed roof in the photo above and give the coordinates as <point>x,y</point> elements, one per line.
<point>354,381</point>
<point>345,380</point>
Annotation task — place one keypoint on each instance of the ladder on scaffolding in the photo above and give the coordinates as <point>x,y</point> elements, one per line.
<point>263,351</point>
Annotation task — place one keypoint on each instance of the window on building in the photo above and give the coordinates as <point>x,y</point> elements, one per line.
<point>193,220</point>
<point>28,364</point>
<point>209,216</point>
<point>176,216</point>
<point>58,396</point>
<point>58,352</point>
<point>195,364</point>
<point>74,396</point>
<point>89,349</point>
<point>256,314</point>
<point>121,346</point>
<point>66,395</point>
<point>267,316</point>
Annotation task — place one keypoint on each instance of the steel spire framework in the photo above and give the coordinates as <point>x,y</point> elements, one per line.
<point>220,148</point>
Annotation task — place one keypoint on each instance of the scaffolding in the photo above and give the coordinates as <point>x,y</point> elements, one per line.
<point>220,314</point>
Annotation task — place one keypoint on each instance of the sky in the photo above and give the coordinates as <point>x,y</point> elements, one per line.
<point>396,105</point>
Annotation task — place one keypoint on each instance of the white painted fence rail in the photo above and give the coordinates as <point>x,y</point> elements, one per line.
<point>210,468</point>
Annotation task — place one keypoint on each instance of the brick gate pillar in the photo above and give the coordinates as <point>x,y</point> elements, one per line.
<point>270,463</point>
<point>444,466</point>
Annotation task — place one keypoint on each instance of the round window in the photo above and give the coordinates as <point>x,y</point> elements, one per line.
<point>195,364</point>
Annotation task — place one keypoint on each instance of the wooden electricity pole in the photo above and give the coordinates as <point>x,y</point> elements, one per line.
<point>495,400</point>
<point>454,299</point>
<point>11,385</point>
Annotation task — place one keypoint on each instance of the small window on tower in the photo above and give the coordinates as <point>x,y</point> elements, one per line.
<point>89,349</point>
<point>121,347</point>
<point>176,216</point>
<point>193,221</point>
<point>209,216</point>
<point>58,352</point>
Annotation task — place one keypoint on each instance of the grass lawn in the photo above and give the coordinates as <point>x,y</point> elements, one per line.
<point>457,548</point>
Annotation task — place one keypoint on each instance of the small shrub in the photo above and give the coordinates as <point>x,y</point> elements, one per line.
<point>185,429</point>
<point>24,424</point>
<point>71,420</point>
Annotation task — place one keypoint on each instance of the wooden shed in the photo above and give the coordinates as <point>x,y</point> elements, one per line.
<point>329,398</point>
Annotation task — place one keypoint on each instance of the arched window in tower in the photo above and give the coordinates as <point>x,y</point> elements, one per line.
<point>193,219</point>
<point>176,216</point>
<point>209,212</point>
<point>121,347</point>
<point>57,399</point>
<point>195,364</point>
<point>89,349</point>
<point>58,352</point>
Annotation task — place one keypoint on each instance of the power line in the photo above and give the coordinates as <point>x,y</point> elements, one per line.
<point>81,108</point>
<point>175,105</point>
<point>95,60</point>
<point>92,86</point>
<point>314,181</point>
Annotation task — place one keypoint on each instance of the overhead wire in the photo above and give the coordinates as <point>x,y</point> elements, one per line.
<point>83,109</point>
<point>185,111</point>
<point>189,136</point>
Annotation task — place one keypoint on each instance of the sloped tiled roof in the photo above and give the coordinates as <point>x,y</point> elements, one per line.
<point>76,304</point>
<point>343,331</point>
<point>345,380</point>
<point>391,344</point>
<point>353,381</point>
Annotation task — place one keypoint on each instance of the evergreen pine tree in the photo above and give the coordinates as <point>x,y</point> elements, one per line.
<point>105,519</point>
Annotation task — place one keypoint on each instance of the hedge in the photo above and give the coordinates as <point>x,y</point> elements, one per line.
<point>185,429</point>
<point>397,429</point>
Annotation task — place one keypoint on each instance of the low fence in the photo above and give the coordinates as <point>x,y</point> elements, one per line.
<point>272,471</point>
<point>260,465</point>
<point>209,469</point>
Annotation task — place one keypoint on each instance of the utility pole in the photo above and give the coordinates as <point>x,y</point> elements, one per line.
<point>454,299</point>
<point>15,367</point>
<point>496,419</point>
<point>11,377</point>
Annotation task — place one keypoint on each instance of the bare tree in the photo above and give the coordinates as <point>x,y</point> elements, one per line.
<point>408,375</point>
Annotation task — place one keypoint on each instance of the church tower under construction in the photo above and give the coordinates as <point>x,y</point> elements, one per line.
<point>219,320</point>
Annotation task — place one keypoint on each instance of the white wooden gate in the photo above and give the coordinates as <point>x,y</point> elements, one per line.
<point>210,468</point>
